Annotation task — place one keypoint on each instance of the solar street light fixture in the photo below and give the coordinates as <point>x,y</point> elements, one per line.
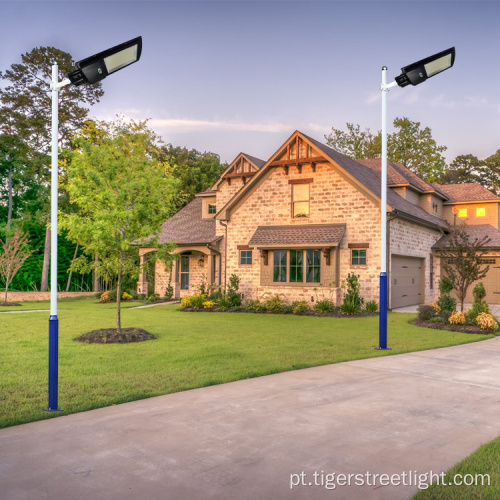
<point>91,70</point>
<point>413,74</point>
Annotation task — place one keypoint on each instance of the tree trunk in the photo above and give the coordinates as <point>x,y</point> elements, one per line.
<point>6,290</point>
<point>97,288</point>
<point>118,297</point>
<point>46,261</point>
<point>70,271</point>
<point>9,213</point>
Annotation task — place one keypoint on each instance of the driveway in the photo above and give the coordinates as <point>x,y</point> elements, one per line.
<point>412,412</point>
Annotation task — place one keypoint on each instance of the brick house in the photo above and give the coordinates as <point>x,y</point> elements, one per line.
<point>299,222</point>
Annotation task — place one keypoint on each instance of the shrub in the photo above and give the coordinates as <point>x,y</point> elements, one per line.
<point>436,307</point>
<point>445,315</point>
<point>446,303</point>
<point>371,306</point>
<point>169,291</point>
<point>351,305</point>
<point>324,306</point>
<point>105,297</point>
<point>425,312</point>
<point>126,296</point>
<point>224,302</point>
<point>436,319</point>
<point>487,322</point>
<point>153,297</point>
<point>197,300</point>
<point>186,303</point>
<point>112,295</point>
<point>445,285</point>
<point>232,290</point>
<point>479,306</point>
<point>300,307</point>
<point>208,304</point>
<point>457,318</point>
<point>254,305</point>
<point>275,304</point>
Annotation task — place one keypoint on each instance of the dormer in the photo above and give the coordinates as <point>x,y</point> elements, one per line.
<point>209,203</point>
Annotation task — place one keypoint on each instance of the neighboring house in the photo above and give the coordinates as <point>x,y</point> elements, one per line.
<point>299,222</point>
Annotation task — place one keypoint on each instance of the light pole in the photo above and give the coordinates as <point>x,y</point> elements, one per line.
<point>413,74</point>
<point>90,70</point>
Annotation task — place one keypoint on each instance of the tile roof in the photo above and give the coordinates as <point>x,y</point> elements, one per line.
<point>477,232</point>
<point>307,234</point>
<point>187,226</point>
<point>471,191</point>
<point>371,180</point>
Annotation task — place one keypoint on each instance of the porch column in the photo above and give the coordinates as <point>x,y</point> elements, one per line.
<point>210,269</point>
<point>142,284</point>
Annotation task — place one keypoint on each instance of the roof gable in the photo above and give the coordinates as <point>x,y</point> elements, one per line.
<point>243,166</point>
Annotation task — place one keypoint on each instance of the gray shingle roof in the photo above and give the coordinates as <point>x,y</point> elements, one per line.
<point>477,232</point>
<point>307,234</point>
<point>187,226</point>
<point>470,191</point>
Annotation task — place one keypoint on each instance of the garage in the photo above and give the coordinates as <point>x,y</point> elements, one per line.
<point>491,282</point>
<point>407,281</point>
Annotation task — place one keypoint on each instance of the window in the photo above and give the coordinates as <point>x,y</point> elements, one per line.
<point>294,273</point>
<point>245,257</point>
<point>279,270</point>
<point>481,212</point>
<point>462,212</point>
<point>300,200</point>
<point>358,257</point>
<point>296,266</point>
<point>313,266</point>
<point>184,272</point>
<point>211,208</point>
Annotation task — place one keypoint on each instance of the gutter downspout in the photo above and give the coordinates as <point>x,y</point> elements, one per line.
<point>390,218</point>
<point>224,224</point>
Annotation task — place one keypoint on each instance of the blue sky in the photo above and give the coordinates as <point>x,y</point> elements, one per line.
<point>242,76</point>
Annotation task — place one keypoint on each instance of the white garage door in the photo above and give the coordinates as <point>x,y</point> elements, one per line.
<point>406,281</point>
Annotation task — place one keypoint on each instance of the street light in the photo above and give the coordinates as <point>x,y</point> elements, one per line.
<point>413,74</point>
<point>90,70</point>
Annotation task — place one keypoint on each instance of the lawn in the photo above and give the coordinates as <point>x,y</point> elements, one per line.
<point>192,350</point>
<point>484,460</point>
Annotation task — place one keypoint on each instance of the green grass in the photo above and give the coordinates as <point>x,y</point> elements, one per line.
<point>484,460</point>
<point>192,350</point>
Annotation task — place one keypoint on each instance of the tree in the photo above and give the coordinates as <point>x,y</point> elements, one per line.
<point>463,169</point>
<point>26,108</point>
<point>461,258</point>
<point>355,143</point>
<point>492,173</point>
<point>123,195</point>
<point>14,254</point>
<point>414,147</point>
<point>195,171</point>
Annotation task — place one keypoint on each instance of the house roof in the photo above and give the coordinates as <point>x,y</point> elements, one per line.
<point>188,227</point>
<point>370,179</point>
<point>471,191</point>
<point>256,161</point>
<point>298,235</point>
<point>477,232</point>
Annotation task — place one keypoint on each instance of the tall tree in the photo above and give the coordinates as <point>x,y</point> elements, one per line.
<point>493,172</point>
<point>25,111</point>
<point>356,143</point>
<point>462,259</point>
<point>123,195</point>
<point>414,147</point>
<point>464,169</point>
<point>195,171</point>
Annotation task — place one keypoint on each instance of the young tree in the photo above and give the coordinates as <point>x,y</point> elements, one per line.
<point>355,143</point>
<point>461,256</point>
<point>123,195</point>
<point>15,251</point>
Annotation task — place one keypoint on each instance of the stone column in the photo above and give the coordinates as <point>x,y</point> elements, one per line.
<point>142,284</point>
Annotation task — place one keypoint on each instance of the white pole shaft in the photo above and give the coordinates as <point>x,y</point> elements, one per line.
<point>383,175</point>
<point>54,192</point>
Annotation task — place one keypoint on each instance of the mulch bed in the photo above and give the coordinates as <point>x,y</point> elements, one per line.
<point>312,312</point>
<point>7,304</point>
<point>450,328</point>
<point>112,336</point>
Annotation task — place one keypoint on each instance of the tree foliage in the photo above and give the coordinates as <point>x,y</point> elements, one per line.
<point>123,195</point>
<point>461,257</point>
<point>464,169</point>
<point>492,172</point>
<point>355,143</point>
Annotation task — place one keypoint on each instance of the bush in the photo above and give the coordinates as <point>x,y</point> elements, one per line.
<point>275,304</point>
<point>300,307</point>
<point>371,306</point>
<point>208,304</point>
<point>112,295</point>
<point>254,305</point>
<point>153,297</point>
<point>445,315</point>
<point>445,285</point>
<point>126,296</point>
<point>197,300</point>
<point>479,306</point>
<point>479,292</point>
<point>436,319</point>
<point>457,318</point>
<point>425,312</point>
<point>446,303</point>
<point>224,302</point>
<point>186,303</point>
<point>324,306</point>
<point>105,297</point>
<point>436,307</point>
<point>232,290</point>
<point>169,292</point>
<point>351,305</point>
<point>487,322</point>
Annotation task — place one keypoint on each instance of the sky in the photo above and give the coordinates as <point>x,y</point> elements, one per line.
<point>241,76</point>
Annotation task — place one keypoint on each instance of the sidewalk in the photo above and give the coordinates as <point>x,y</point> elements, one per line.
<point>421,411</point>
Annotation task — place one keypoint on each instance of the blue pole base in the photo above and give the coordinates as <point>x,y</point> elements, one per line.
<point>48,409</point>
<point>382,348</point>
<point>383,313</point>
<point>53,363</point>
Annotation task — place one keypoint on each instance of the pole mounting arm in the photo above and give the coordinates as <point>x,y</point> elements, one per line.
<point>384,87</point>
<point>59,85</point>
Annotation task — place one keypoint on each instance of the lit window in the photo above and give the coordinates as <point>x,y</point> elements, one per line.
<point>300,200</point>
<point>462,212</point>
<point>246,257</point>
<point>358,257</point>
<point>211,208</point>
<point>481,212</point>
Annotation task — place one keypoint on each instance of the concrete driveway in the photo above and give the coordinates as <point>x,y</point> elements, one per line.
<point>413,412</point>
